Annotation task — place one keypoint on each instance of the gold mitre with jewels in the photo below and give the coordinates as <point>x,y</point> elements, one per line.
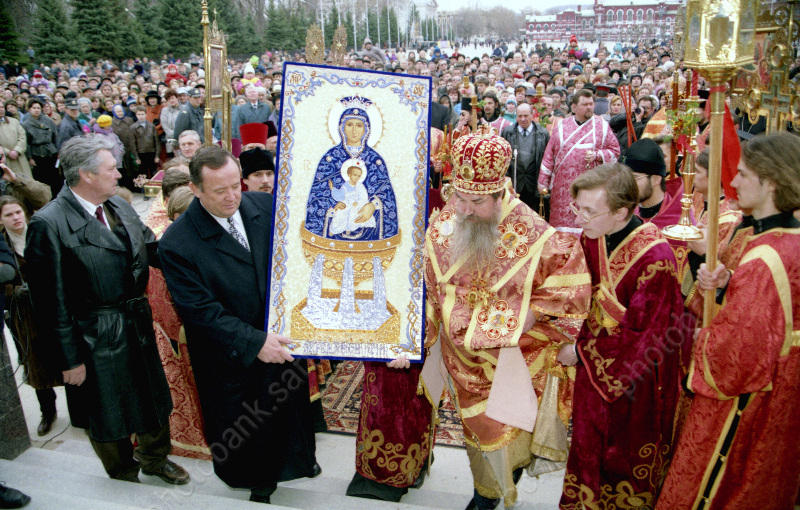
<point>481,161</point>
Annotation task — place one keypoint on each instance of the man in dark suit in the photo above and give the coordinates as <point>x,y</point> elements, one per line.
<point>439,115</point>
<point>87,257</point>
<point>529,140</point>
<point>215,257</point>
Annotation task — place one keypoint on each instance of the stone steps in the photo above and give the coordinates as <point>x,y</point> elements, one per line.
<point>71,477</point>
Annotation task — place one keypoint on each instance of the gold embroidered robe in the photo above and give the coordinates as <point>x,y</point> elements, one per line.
<point>627,383</point>
<point>740,446</point>
<point>482,310</point>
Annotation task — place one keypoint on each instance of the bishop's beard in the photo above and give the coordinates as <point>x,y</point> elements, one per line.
<point>476,237</point>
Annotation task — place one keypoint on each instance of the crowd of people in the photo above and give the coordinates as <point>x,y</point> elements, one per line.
<point>569,326</point>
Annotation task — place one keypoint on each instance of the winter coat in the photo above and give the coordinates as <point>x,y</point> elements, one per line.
<point>88,288</point>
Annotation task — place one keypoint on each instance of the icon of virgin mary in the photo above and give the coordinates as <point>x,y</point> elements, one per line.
<point>377,218</point>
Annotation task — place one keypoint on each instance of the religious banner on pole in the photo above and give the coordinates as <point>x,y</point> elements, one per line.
<point>346,277</point>
<point>218,80</point>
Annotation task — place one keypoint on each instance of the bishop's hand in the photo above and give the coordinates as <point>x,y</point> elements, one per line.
<point>401,362</point>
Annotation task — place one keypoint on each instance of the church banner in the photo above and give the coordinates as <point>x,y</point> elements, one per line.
<point>347,267</point>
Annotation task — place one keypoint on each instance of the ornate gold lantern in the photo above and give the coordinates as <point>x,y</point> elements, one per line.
<point>719,34</point>
<point>719,37</point>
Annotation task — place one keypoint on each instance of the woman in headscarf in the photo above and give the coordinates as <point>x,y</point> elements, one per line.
<point>103,127</point>
<point>49,109</point>
<point>172,74</point>
<point>14,140</point>
<point>354,131</point>
<point>452,116</point>
<point>510,109</point>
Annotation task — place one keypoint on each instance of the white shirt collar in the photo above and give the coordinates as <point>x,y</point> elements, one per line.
<point>90,207</point>
<point>223,222</point>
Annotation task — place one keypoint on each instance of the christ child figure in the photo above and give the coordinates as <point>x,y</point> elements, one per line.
<point>351,197</point>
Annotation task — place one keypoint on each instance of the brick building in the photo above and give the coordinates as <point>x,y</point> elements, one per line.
<point>609,20</point>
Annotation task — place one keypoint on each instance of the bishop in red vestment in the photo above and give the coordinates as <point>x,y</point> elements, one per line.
<point>501,283</point>
<point>627,354</point>
<point>740,448</point>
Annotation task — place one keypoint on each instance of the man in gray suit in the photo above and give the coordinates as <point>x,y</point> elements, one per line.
<point>253,111</point>
<point>529,140</point>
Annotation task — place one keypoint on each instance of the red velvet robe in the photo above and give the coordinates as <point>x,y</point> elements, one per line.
<point>186,421</point>
<point>394,427</point>
<point>751,350</point>
<point>625,403</point>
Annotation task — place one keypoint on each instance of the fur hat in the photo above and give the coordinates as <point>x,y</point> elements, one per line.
<point>255,160</point>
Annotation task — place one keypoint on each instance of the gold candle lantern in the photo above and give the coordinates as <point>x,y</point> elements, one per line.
<point>207,116</point>
<point>719,38</point>
<point>719,34</point>
<point>473,120</point>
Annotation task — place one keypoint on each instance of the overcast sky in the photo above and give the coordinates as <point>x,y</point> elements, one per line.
<point>515,5</point>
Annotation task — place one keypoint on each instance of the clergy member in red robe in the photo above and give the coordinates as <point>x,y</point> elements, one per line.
<point>186,420</point>
<point>627,354</point>
<point>741,442</point>
<point>394,436</point>
<point>577,144</point>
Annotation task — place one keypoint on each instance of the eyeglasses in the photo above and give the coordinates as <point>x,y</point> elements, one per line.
<point>583,215</point>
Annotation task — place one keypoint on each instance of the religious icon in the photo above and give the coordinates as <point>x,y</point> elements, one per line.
<point>351,200</point>
<point>350,213</point>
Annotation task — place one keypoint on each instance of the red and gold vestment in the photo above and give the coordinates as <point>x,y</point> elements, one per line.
<point>628,379</point>
<point>482,309</point>
<point>740,448</point>
<point>186,421</point>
